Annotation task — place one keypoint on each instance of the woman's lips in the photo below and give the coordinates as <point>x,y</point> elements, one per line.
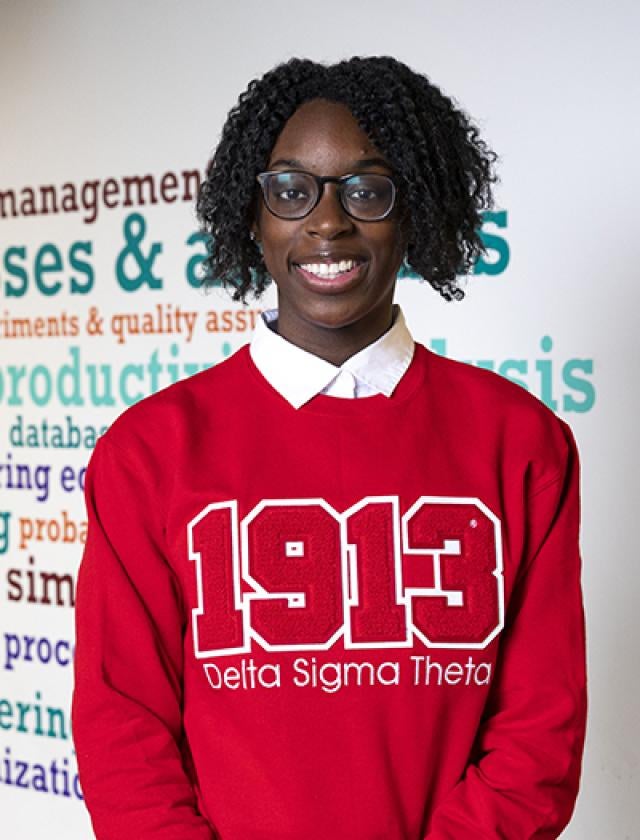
<point>330,284</point>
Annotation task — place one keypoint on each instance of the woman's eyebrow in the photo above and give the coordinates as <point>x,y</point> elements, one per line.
<point>364,163</point>
<point>285,162</point>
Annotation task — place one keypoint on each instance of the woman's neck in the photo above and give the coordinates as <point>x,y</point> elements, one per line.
<point>334,344</point>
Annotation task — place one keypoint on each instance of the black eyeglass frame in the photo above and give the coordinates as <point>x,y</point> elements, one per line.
<point>321,180</point>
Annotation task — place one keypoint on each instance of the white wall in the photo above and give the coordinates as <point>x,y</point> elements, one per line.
<point>91,90</point>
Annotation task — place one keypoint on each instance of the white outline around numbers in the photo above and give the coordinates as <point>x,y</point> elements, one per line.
<point>453,547</point>
<point>294,599</point>
<point>194,555</point>
<point>349,573</point>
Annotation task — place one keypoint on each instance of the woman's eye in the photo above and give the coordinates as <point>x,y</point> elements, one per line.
<point>362,195</point>
<point>291,195</point>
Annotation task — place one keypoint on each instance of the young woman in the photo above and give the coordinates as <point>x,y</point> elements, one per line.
<point>331,586</point>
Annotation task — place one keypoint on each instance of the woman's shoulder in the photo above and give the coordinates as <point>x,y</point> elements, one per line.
<point>483,403</point>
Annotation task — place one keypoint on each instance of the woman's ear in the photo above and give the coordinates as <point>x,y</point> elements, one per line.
<point>254,215</point>
<point>254,231</point>
<point>254,235</point>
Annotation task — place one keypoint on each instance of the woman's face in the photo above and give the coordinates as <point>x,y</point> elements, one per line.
<point>336,317</point>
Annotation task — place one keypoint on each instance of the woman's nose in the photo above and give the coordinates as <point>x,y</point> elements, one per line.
<point>328,219</point>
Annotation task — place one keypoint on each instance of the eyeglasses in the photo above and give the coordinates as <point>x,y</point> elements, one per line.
<point>368,197</point>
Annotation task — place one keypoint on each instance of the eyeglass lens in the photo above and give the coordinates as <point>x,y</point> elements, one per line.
<point>291,195</point>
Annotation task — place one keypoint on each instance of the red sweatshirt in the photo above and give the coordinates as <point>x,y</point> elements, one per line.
<point>359,619</point>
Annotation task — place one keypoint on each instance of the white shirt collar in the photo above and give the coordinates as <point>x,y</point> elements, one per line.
<point>299,375</point>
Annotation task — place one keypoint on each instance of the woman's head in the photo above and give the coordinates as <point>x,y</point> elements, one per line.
<point>442,169</point>
<point>330,230</point>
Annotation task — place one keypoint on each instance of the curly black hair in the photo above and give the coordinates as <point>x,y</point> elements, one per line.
<point>444,170</point>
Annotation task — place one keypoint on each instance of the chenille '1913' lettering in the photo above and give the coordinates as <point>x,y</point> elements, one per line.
<point>295,574</point>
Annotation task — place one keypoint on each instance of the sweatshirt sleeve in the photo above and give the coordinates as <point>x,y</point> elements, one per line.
<point>126,711</point>
<point>523,779</point>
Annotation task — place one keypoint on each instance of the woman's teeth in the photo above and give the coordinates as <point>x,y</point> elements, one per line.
<point>329,269</point>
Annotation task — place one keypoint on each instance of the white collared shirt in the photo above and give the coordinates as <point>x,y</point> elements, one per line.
<point>299,375</point>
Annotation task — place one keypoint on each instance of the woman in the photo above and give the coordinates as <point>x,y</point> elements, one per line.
<point>331,586</point>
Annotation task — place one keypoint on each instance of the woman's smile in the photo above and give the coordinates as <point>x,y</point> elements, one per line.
<point>331,277</point>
